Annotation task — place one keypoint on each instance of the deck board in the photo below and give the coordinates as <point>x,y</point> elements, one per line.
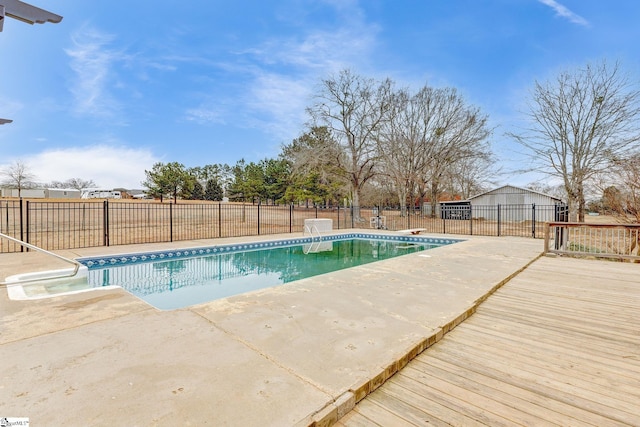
<point>567,364</point>
<point>557,345</point>
<point>423,400</point>
<point>565,387</point>
<point>551,411</point>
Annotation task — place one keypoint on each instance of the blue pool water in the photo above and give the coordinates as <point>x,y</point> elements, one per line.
<point>174,279</point>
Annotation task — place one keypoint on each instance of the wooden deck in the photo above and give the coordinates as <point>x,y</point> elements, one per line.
<point>557,345</point>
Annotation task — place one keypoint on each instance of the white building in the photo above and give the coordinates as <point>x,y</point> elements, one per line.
<point>511,195</point>
<point>508,202</point>
<point>42,193</point>
<point>35,193</point>
<point>102,194</point>
<point>62,193</point>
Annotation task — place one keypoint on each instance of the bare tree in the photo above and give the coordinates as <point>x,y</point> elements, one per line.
<point>545,188</point>
<point>458,133</point>
<point>472,175</point>
<point>399,143</point>
<point>75,183</point>
<point>579,122</point>
<point>17,175</point>
<point>624,198</point>
<point>353,108</point>
<point>428,136</point>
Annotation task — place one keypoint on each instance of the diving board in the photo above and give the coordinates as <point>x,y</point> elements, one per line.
<point>412,231</point>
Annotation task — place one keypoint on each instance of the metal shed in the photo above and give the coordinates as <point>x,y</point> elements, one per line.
<point>31,193</point>
<point>519,204</point>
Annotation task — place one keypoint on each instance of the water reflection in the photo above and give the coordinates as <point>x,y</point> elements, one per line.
<point>186,281</point>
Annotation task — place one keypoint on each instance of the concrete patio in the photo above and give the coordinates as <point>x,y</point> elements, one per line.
<point>298,354</point>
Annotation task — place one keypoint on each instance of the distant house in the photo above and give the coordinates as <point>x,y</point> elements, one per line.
<point>24,193</point>
<point>138,194</point>
<point>62,193</point>
<point>512,203</point>
<point>42,193</point>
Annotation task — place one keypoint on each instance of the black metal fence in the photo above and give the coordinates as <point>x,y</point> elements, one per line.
<point>79,224</point>
<point>11,224</point>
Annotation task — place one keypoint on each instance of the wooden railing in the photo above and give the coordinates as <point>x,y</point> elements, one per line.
<point>620,241</point>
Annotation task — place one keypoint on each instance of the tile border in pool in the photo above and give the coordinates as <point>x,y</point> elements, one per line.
<point>164,255</point>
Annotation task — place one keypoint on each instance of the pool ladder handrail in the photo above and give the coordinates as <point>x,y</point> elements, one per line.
<point>306,227</point>
<point>76,264</point>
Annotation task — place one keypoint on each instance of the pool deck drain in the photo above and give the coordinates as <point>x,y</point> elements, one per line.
<point>299,354</point>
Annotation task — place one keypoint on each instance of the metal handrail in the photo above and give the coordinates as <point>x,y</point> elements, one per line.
<point>314,227</point>
<point>76,264</point>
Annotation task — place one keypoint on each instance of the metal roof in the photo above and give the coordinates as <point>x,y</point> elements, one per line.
<point>26,13</point>
<point>526,190</point>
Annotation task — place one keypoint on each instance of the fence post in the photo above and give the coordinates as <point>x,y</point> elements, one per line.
<point>560,236</point>
<point>408,217</point>
<point>259,203</point>
<point>105,222</point>
<point>291,218</point>
<point>338,216</point>
<point>547,230</point>
<point>22,224</point>
<point>28,222</point>
<point>498,219</point>
<point>471,219</point>
<point>316,211</point>
<point>346,224</point>
<point>352,223</point>
<point>219,219</point>
<point>533,220</point>
<point>171,222</point>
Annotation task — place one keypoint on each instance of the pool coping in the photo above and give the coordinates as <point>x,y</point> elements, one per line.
<point>16,289</point>
<point>511,255</point>
<point>141,257</point>
<point>150,257</point>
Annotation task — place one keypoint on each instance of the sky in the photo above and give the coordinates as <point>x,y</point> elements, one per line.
<point>118,86</point>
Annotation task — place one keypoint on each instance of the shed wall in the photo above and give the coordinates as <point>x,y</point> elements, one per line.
<point>508,197</point>
<point>61,193</point>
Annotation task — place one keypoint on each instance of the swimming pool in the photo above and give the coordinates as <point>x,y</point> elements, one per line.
<point>181,278</point>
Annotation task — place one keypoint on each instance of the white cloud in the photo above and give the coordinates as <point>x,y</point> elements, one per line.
<point>280,73</point>
<point>108,166</point>
<point>9,107</point>
<point>204,114</point>
<point>286,71</point>
<point>92,63</point>
<point>281,100</point>
<point>320,51</point>
<point>564,12</point>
